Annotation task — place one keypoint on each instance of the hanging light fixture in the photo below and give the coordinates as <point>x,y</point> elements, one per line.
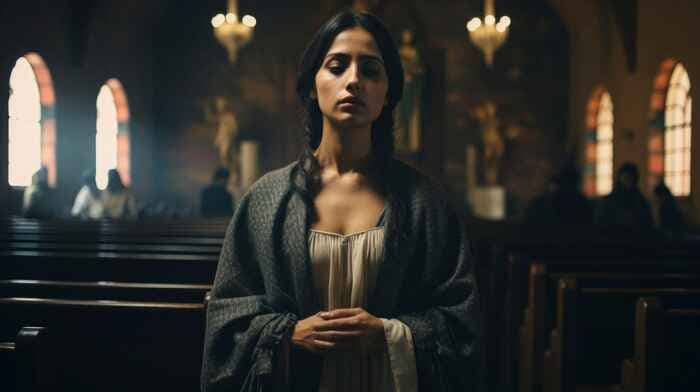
<point>231,32</point>
<point>486,34</point>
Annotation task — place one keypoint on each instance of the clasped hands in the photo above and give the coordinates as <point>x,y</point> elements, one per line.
<point>349,330</point>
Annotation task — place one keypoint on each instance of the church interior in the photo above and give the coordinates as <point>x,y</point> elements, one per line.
<point>560,131</point>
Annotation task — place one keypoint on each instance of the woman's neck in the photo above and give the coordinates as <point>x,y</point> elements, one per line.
<point>344,150</point>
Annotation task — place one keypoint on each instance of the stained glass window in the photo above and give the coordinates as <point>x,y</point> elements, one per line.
<point>112,139</point>
<point>604,146</point>
<point>677,131</point>
<point>31,125</point>
<point>598,150</point>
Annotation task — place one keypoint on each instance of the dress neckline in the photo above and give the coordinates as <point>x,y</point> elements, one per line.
<point>379,225</point>
<point>330,233</point>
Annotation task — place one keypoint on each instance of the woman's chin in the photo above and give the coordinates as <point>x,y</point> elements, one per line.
<point>351,120</point>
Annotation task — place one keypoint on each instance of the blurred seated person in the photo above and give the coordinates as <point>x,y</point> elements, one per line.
<point>215,200</point>
<point>670,216</point>
<point>88,202</point>
<point>37,202</point>
<point>625,207</point>
<point>117,200</point>
<point>563,204</point>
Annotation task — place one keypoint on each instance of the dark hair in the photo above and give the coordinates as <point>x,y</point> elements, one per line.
<point>88,178</point>
<point>662,191</point>
<point>630,169</point>
<point>383,127</point>
<point>114,181</point>
<point>41,176</point>
<point>221,173</point>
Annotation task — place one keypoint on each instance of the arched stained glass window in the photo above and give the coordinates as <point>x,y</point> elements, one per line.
<point>112,140</point>
<point>32,128</point>
<point>671,128</point>
<point>677,133</point>
<point>598,168</point>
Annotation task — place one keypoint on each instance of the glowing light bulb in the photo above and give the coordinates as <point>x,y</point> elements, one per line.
<point>490,20</point>
<point>249,21</point>
<point>218,20</point>
<point>231,18</point>
<point>505,21</point>
<point>474,24</point>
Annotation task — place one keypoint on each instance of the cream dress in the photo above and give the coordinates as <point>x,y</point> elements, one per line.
<point>344,273</point>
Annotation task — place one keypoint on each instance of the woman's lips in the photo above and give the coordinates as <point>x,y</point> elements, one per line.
<point>350,102</point>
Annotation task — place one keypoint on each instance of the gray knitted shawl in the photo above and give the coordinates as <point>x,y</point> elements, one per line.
<point>263,285</point>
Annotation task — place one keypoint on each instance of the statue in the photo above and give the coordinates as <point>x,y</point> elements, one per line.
<point>408,119</point>
<point>492,140</point>
<point>226,138</point>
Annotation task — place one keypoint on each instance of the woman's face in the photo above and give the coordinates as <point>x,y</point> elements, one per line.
<point>351,85</point>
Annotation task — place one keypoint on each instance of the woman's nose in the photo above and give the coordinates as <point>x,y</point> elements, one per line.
<point>353,81</point>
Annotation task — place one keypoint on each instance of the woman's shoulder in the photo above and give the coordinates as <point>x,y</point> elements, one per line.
<point>271,185</point>
<point>412,181</point>
<point>278,178</point>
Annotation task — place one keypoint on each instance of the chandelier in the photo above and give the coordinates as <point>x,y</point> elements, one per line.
<point>231,33</point>
<point>488,35</point>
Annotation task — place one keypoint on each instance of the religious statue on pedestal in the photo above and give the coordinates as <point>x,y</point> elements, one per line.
<point>408,120</point>
<point>492,141</point>
<point>226,136</point>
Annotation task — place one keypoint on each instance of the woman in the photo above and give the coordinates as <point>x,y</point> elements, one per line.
<point>117,200</point>
<point>37,201</point>
<point>345,270</point>
<point>88,202</point>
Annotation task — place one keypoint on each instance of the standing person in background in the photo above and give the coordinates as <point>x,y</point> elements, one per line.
<point>347,270</point>
<point>88,202</point>
<point>215,200</point>
<point>117,200</point>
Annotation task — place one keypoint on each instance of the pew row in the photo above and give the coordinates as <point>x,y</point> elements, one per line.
<point>604,274</point>
<point>22,367</point>
<point>114,345</point>
<point>594,333</point>
<point>103,290</point>
<point>108,266</point>
<point>666,349</point>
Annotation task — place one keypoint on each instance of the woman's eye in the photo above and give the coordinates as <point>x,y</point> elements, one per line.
<point>371,70</point>
<point>335,67</point>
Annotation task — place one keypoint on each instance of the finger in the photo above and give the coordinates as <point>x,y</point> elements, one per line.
<point>337,336</point>
<point>340,313</point>
<point>324,346</point>
<point>345,346</point>
<point>340,324</point>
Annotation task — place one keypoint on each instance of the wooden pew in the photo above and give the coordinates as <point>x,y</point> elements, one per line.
<point>594,333</point>
<point>71,246</point>
<point>127,238</point>
<point>103,290</point>
<point>559,362</point>
<point>115,345</point>
<point>166,226</point>
<point>538,316</point>
<point>171,232</point>
<point>666,349</point>
<point>125,301</point>
<point>503,253</point>
<point>109,266</point>
<point>21,362</point>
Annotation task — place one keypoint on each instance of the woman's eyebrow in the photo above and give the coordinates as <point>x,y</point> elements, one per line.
<point>372,57</point>
<point>345,56</point>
